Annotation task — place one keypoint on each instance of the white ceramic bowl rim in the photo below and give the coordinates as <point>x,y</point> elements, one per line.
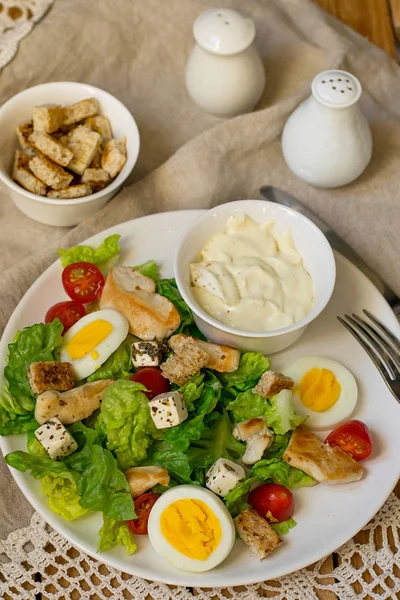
<point>310,316</point>
<point>131,160</point>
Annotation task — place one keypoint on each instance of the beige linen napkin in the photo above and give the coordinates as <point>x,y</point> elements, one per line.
<point>137,50</point>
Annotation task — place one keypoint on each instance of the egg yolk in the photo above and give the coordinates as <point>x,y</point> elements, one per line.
<point>192,528</point>
<point>87,338</point>
<point>319,389</point>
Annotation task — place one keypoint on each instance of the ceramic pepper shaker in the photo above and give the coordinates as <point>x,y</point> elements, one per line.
<point>224,74</point>
<point>327,140</point>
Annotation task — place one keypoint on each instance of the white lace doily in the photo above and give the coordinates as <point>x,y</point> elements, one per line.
<point>17,18</point>
<point>36,559</point>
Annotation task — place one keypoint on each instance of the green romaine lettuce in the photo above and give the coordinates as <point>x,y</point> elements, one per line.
<point>102,256</point>
<point>284,527</point>
<point>281,416</point>
<point>34,446</point>
<point>113,533</point>
<point>278,471</point>
<point>279,445</point>
<point>181,436</point>
<point>63,497</point>
<point>149,269</point>
<point>118,365</point>
<point>192,390</point>
<point>169,289</point>
<point>17,402</point>
<point>125,415</point>
<point>252,365</point>
<point>163,454</point>
<point>236,499</point>
<point>40,466</point>
<point>248,406</point>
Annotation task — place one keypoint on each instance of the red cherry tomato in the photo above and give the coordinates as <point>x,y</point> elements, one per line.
<point>143,506</point>
<point>68,312</point>
<point>83,282</point>
<point>273,501</point>
<point>353,438</point>
<point>153,380</point>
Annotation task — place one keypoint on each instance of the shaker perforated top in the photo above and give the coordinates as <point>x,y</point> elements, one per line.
<point>224,31</point>
<point>336,89</point>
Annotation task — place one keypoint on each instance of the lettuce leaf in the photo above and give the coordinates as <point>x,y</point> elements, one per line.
<point>17,402</point>
<point>236,499</point>
<point>125,415</point>
<point>40,466</point>
<point>113,533</point>
<point>163,454</point>
<point>284,527</point>
<point>278,471</point>
<point>279,445</point>
<point>252,365</point>
<point>63,497</point>
<point>169,289</point>
<point>149,269</point>
<point>34,446</point>
<point>247,406</point>
<point>181,436</point>
<point>280,414</point>
<point>118,365</point>
<point>192,390</point>
<point>102,256</point>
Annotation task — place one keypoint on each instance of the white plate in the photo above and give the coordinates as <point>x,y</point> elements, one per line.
<point>327,516</point>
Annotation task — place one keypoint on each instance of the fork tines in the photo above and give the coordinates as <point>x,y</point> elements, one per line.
<point>380,344</point>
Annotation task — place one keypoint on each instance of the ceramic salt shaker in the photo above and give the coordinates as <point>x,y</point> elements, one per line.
<point>224,75</point>
<point>327,140</point>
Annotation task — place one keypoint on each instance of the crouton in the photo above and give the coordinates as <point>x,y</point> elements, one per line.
<point>272,383</point>
<point>326,464</point>
<point>84,143</point>
<point>24,177</point>
<point>73,191</point>
<point>96,162</point>
<point>50,375</point>
<point>47,119</point>
<point>51,148</point>
<point>222,358</point>
<point>101,125</point>
<point>179,369</point>
<point>95,176</point>
<point>256,533</point>
<point>80,110</point>
<point>48,172</point>
<point>98,187</point>
<point>114,156</point>
<point>23,133</point>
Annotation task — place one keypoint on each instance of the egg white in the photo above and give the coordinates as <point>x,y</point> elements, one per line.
<point>176,558</point>
<point>345,404</point>
<point>85,366</point>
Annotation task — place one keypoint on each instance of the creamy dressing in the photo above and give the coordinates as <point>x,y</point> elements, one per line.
<point>251,277</point>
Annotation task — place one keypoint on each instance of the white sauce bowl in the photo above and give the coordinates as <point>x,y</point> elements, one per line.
<point>310,242</point>
<point>19,110</point>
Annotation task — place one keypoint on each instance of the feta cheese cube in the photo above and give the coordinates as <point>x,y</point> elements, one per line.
<point>223,476</point>
<point>168,410</point>
<point>55,439</point>
<point>147,354</point>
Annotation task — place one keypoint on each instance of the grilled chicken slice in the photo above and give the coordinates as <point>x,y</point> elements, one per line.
<point>149,315</point>
<point>258,437</point>
<point>141,479</point>
<point>73,405</point>
<point>324,463</point>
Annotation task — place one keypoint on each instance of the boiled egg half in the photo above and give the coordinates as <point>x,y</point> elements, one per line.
<point>89,342</point>
<point>324,390</point>
<point>191,527</point>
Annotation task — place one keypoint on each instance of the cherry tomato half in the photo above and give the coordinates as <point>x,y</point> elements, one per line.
<point>153,380</point>
<point>353,438</point>
<point>83,282</point>
<point>143,506</point>
<point>68,312</point>
<point>273,501</point>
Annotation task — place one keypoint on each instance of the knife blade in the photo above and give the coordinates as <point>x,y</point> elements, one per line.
<point>281,197</point>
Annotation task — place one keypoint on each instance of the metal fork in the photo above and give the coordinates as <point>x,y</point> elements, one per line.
<point>380,344</point>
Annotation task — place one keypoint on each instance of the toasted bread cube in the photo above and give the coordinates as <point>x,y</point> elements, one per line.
<point>114,156</point>
<point>95,176</point>
<point>98,187</point>
<point>272,383</point>
<point>51,148</point>
<point>256,533</point>
<point>73,191</point>
<point>24,177</point>
<point>53,175</point>
<point>50,375</point>
<point>101,125</point>
<point>84,143</point>
<point>80,110</point>
<point>47,119</point>
<point>180,369</point>
<point>23,133</point>
<point>96,162</point>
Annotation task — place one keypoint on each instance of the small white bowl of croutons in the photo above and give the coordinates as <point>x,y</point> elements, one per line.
<point>66,149</point>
